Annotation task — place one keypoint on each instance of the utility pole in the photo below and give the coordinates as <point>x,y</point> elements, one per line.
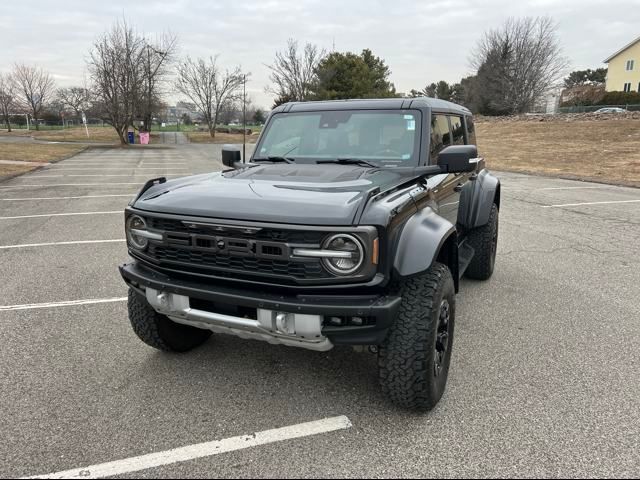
<point>244,118</point>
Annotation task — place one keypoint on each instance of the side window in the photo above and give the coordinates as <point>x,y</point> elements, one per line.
<point>457,131</point>
<point>471,130</point>
<point>440,136</point>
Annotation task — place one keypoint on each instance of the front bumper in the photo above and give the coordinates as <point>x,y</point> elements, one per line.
<point>381,310</point>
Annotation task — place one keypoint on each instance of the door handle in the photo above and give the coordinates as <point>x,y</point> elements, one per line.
<point>458,188</point>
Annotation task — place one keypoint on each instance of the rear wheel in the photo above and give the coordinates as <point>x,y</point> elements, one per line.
<point>484,241</point>
<point>158,331</point>
<point>414,360</point>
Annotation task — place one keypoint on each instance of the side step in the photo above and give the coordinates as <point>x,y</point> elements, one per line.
<point>465,255</point>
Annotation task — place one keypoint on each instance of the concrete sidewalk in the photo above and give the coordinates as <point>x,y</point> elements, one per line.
<point>19,162</point>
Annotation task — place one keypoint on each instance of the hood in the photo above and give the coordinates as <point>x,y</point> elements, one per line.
<point>279,193</point>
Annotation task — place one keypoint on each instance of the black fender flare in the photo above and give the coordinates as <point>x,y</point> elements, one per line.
<point>420,243</point>
<point>476,200</point>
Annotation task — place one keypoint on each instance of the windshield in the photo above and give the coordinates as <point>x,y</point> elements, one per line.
<point>383,137</point>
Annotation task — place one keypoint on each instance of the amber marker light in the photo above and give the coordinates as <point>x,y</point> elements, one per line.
<point>374,255</point>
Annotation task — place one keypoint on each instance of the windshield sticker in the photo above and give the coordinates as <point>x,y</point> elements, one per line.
<point>406,156</point>
<point>411,125</point>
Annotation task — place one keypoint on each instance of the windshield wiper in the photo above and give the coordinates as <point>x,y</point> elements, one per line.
<point>349,161</point>
<point>274,159</point>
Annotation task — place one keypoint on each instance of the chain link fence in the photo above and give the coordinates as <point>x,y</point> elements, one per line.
<point>593,108</point>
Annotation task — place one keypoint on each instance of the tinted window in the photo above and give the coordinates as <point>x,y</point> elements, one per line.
<point>440,136</point>
<point>471,130</point>
<point>457,131</point>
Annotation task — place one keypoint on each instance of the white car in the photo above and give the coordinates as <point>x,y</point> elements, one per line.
<point>611,110</point>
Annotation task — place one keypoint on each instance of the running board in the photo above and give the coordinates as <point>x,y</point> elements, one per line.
<point>465,255</point>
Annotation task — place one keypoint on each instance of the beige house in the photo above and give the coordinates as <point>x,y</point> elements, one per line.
<point>624,69</point>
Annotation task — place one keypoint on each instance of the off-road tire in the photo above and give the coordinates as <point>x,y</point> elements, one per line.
<point>158,331</point>
<point>408,357</point>
<point>484,241</point>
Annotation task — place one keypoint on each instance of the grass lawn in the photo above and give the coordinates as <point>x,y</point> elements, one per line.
<point>32,152</point>
<point>602,151</point>
<point>13,169</point>
<point>78,134</point>
<point>204,137</point>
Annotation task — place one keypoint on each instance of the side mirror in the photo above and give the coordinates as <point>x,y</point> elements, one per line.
<point>457,158</point>
<point>230,155</point>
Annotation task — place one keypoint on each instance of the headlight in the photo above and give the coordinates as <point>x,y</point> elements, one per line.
<point>349,254</point>
<point>136,228</point>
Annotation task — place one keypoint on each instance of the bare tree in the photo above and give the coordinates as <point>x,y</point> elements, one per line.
<point>208,88</point>
<point>293,73</point>
<point>156,59</point>
<point>35,87</point>
<point>7,98</point>
<point>518,64</point>
<point>114,66</point>
<point>127,71</point>
<point>75,99</point>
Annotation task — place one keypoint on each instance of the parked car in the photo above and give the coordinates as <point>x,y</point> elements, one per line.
<point>611,110</point>
<point>351,224</point>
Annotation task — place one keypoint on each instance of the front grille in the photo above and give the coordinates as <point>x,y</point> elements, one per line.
<point>193,250</point>
<point>269,234</point>
<point>196,260</point>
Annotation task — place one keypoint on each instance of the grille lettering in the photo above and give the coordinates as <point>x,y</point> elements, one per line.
<point>237,247</point>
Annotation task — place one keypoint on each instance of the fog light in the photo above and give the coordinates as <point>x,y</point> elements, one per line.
<point>358,321</point>
<point>285,323</point>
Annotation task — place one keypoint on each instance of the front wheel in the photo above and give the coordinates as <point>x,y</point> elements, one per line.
<point>414,359</point>
<point>158,331</point>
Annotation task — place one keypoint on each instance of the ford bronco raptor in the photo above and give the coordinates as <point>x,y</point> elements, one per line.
<point>351,224</point>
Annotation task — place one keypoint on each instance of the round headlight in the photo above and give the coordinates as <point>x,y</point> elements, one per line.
<point>134,223</point>
<point>343,264</point>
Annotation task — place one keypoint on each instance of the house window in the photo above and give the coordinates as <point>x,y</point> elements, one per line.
<point>627,87</point>
<point>630,65</point>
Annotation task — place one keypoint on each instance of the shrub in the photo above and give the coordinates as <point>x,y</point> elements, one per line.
<point>620,98</point>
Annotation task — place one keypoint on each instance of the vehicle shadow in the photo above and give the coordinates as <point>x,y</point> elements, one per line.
<point>237,375</point>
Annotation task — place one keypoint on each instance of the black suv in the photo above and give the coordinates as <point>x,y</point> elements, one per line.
<point>351,224</point>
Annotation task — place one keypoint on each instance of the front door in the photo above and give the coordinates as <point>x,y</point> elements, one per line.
<point>446,187</point>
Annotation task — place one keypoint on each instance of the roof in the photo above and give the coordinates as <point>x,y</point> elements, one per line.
<point>375,104</point>
<point>622,50</point>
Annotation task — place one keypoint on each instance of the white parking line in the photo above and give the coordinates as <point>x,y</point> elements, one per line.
<point>112,175</point>
<point>70,303</point>
<point>114,168</point>
<point>78,242</point>
<point>202,450</point>
<point>63,198</point>
<point>62,214</point>
<point>590,203</point>
<point>70,185</point>
<point>578,188</point>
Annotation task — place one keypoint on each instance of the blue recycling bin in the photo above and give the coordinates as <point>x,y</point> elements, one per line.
<point>131,137</point>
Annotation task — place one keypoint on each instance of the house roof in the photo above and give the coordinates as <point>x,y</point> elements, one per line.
<point>622,50</point>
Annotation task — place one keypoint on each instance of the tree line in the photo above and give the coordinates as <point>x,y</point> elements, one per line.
<point>129,74</point>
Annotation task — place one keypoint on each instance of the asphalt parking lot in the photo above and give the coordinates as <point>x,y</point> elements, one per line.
<point>545,377</point>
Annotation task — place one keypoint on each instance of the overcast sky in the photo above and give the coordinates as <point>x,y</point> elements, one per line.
<point>421,41</point>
